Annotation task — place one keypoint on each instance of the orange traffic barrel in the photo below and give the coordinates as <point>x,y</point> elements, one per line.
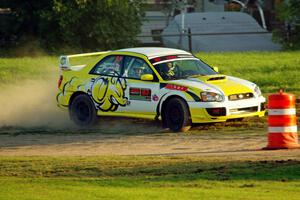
<point>282,130</point>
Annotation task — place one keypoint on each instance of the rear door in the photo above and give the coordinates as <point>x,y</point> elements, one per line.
<point>107,87</point>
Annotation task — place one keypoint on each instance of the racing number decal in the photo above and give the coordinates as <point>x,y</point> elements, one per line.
<point>141,94</point>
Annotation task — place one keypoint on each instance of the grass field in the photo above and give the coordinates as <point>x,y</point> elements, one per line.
<point>160,177</point>
<point>147,178</point>
<point>271,71</point>
<point>13,70</point>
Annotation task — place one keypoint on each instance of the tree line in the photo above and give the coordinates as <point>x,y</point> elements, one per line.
<point>73,24</point>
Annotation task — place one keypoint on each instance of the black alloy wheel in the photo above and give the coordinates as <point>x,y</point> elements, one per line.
<point>177,115</point>
<point>82,111</point>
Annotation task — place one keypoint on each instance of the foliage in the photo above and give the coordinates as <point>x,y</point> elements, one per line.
<point>79,24</point>
<point>289,13</point>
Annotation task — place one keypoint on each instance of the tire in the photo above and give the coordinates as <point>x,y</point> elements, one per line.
<point>82,111</point>
<point>176,115</point>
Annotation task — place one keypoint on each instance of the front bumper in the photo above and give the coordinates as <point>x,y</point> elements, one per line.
<point>232,110</point>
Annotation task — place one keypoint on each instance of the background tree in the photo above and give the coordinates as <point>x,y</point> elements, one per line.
<point>289,14</point>
<point>75,24</point>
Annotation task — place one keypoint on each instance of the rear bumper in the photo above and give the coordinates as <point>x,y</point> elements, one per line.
<point>231,110</point>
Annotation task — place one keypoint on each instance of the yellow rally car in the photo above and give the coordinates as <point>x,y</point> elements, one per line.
<point>154,83</point>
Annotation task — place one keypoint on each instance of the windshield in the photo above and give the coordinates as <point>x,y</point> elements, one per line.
<point>181,69</point>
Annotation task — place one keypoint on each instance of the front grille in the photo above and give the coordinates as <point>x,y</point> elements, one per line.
<point>234,97</point>
<point>247,109</point>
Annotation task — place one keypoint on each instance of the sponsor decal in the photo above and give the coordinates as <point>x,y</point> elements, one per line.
<point>173,87</point>
<point>135,91</point>
<point>141,94</point>
<point>155,97</point>
<point>68,86</point>
<point>63,61</point>
<point>176,87</point>
<point>108,93</point>
<point>170,57</point>
<point>179,88</point>
<point>145,92</point>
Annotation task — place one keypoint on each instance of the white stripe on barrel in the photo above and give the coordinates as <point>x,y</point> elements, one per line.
<point>290,111</point>
<point>282,129</point>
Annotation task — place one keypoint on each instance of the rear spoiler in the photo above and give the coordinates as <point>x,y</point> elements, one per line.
<point>64,60</point>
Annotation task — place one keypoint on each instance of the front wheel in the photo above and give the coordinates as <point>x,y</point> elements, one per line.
<point>82,111</point>
<point>177,115</point>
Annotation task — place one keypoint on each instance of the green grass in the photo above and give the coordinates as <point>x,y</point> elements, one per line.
<point>147,178</point>
<point>32,189</point>
<point>12,70</point>
<point>270,70</point>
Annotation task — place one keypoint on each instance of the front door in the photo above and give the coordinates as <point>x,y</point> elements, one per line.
<point>143,96</point>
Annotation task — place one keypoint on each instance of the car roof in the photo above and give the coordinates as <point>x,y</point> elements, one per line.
<point>153,52</point>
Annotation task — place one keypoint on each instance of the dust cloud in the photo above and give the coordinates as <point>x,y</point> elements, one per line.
<point>31,104</point>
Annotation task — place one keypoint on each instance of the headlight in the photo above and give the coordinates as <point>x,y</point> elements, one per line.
<point>211,96</point>
<point>257,91</point>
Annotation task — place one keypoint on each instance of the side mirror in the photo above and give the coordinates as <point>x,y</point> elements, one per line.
<point>216,69</point>
<point>147,77</point>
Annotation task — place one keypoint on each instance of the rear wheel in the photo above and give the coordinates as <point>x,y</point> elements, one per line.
<point>82,111</point>
<point>177,116</point>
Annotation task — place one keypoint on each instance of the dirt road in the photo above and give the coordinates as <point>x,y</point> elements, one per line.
<point>29,128</point>
<point>133,137</point>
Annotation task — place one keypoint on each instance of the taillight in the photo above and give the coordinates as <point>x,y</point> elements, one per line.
<point>59,81</point>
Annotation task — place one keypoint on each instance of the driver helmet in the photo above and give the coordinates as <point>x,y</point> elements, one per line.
<point>171,68</point>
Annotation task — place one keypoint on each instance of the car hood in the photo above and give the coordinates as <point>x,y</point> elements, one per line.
<point>222,84</point>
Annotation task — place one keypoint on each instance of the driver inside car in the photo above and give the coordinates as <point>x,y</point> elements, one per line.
<point>168,70</point>
<point>138,72</point>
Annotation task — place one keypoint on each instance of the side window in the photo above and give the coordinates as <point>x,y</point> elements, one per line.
<point>135,68</point>
<point>110,65</point>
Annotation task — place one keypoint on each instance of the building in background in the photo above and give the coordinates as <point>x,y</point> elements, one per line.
<point>160,13</point>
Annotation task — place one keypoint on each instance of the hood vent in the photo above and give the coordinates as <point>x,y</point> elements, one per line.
<point>218,78</point>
